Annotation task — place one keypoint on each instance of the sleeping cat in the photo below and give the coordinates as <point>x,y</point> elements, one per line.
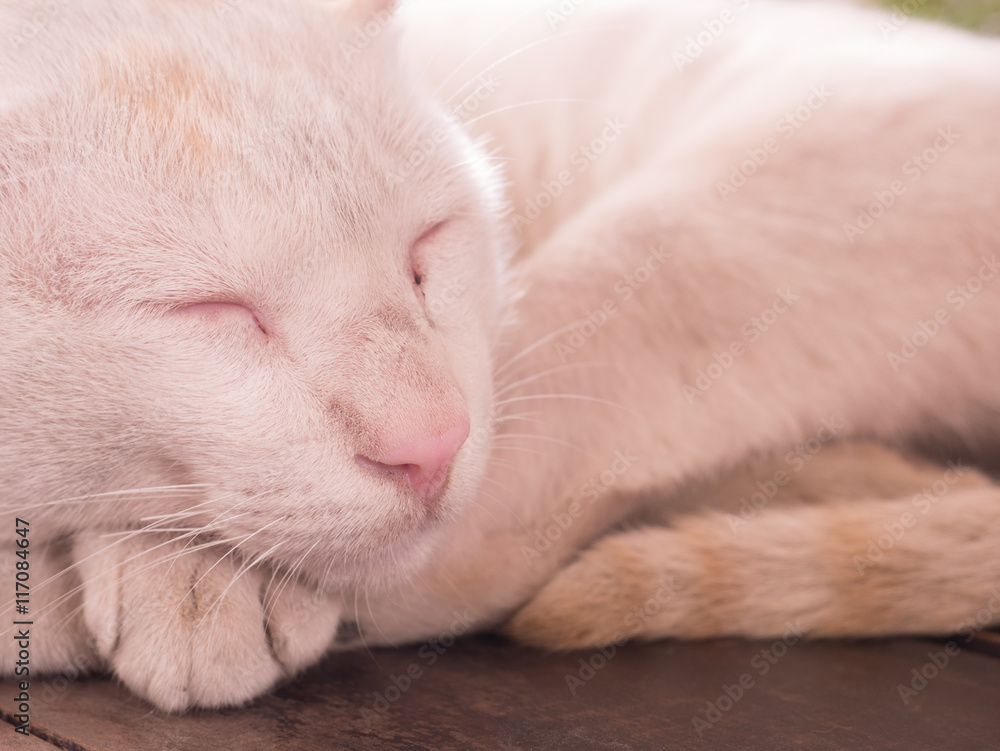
<point>287,358</point>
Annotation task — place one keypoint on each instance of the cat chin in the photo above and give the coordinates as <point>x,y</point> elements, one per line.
<point>373,553</point>
<point>386,567</point>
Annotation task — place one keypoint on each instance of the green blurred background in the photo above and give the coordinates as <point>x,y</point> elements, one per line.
<point>973,14</point>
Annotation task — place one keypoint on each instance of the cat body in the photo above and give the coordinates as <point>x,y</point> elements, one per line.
<point>744,230</point>
<point>715,226</point>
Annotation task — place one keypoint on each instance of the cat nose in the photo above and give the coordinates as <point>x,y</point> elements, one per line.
<point>423,459</point>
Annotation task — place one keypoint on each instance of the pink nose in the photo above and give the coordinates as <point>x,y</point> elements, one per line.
<point>424,460</point>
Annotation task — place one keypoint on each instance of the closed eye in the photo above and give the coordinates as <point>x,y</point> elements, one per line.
<point>224,313</point>
<point>418,260</point>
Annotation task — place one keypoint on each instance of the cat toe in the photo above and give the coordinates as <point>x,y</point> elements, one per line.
<point>302,624</point>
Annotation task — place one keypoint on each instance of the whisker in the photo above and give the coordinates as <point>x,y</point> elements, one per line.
<point>476,160</point>
<point>521,418</point>
<point>142,569</point>
<point>494,460</point>
<point>371,617</point>
<point>532,102</point>
<point>189,532</point>
<point>244,568</point>
<point>580,397</point>
<point>547,439</point>
<point>361,631</point>
<point>522,450</point>
<point>290,573</point>
<point>239,541</point>
<point>115,493</point>
<point>550,371</point>
<point>532,347</point>
<point>503,503</point>
<point>520,50</point>
<point>479,49</point>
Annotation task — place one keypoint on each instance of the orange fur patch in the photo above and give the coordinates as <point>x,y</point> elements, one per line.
<point>169,97</point>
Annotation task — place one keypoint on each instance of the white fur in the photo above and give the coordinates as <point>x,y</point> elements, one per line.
<point>160,155</point>
<point>325,141</point>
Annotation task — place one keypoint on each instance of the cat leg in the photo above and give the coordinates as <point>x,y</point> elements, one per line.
<point>923,563</point>
<point>186,627</point>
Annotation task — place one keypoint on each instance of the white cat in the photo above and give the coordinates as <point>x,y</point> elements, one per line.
<point>256,284</point>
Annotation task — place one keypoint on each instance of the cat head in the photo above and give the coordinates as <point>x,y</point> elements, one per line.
<point>242,251</point>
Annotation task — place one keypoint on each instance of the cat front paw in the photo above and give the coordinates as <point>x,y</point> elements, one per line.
<point>185,627</point>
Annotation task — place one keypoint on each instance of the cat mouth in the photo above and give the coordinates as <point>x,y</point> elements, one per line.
<point>374,558</point>
<point>371,537</point>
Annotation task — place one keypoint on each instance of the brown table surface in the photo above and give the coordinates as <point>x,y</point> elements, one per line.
<point>484,693</point>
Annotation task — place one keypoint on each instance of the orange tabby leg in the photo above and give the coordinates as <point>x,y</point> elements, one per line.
<point>850,568</point>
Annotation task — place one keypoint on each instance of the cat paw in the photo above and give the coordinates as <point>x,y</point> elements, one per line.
<point>608,595</point>
<point>190,628</point>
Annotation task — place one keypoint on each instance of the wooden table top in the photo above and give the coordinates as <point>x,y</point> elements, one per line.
<point>483,693</point>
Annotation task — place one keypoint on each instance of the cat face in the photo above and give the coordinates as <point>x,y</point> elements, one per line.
<point>243,252</point>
